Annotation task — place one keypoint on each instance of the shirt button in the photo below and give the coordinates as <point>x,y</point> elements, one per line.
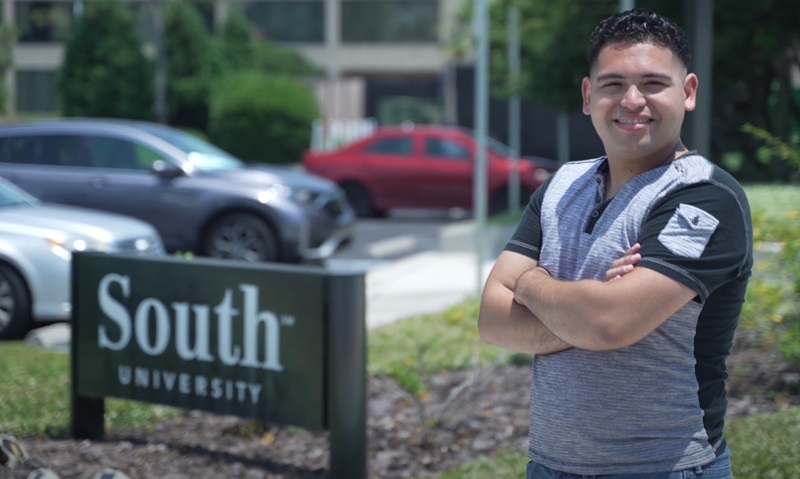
<point>595,214</point>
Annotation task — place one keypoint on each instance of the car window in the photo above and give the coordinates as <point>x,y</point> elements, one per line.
<point>122,154</point>
<point>61,150</point>
<point>66,150</point>
<point>494,145</point>
<point>398,145</point>
<point>447,148</point>
<point>21,150</point>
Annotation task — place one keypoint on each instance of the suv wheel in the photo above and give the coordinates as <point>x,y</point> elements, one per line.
<point>15,304</point>
<point>240,236</point>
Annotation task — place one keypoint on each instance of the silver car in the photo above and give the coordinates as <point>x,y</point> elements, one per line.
<point>36,245</point>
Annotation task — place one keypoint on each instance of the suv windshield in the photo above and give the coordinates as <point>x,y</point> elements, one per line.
<point>9,197</point>
<point>203,155</point>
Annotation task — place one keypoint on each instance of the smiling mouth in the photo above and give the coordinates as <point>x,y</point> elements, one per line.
<point>639,121</point>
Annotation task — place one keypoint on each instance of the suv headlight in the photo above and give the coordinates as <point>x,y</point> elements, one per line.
<point>299,195</point>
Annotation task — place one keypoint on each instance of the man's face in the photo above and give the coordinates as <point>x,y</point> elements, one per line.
<point>637,96</point>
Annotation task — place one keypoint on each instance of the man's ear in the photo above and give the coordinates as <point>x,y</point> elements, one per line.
<point>690,91</point>
<point>586,91</point>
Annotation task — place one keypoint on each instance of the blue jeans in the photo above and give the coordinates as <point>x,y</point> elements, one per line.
<point>720,468</point>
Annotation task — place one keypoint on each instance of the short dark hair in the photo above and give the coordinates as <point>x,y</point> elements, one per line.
<point>639,26</point>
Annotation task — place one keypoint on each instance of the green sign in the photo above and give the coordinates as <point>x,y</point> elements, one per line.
<point>215,336</point>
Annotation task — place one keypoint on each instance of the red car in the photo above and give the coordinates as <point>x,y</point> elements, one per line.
<point>420,166</point>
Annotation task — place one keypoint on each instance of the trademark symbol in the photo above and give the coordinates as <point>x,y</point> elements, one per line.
<point>287,320</point>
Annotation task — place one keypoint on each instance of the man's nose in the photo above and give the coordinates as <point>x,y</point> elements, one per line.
<point>633,98</point>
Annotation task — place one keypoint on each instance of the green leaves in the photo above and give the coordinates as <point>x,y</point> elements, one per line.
<point>105,72</point>
<point>772,306</point>
<point>262,118</point>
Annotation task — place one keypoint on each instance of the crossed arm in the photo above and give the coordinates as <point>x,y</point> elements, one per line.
<point>524,309</point>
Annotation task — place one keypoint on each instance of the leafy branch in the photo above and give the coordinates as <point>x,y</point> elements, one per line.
<point>786,151</point>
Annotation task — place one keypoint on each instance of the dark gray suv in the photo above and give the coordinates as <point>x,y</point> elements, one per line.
<point>199,198</point>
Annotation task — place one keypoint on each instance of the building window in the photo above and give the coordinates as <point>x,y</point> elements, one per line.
<point>288,20</point>
<point>36,92</point>
<point>43,22</point>
<point>395,21</point>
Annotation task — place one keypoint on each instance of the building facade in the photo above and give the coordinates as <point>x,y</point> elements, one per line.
<point>380,57</point>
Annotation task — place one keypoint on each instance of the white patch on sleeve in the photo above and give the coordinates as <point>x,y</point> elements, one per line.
<point>688,231</point>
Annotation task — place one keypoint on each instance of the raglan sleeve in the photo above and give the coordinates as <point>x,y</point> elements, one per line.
<point>527,238</point>
<point>700,236</point>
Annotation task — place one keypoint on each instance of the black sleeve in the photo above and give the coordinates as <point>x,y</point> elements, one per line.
<point>527,238</point>
<point>699,235</point>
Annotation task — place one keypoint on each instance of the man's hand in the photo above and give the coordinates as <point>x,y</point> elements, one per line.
<point>624,265</point>
<point>621,266</point>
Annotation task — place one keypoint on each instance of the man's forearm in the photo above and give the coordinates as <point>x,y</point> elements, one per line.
<point>504,322</point>
<point>602,315</point>
<point>562,308</point>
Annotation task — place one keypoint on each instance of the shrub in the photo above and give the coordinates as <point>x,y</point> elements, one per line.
<point>262,118</point>
<point>772,306</point>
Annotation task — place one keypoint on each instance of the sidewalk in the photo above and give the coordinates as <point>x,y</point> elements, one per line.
<point>419,284</point>
<point>424,283</point>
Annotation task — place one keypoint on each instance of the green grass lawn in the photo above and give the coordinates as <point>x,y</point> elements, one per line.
<point>35,401</point>
<point>775,201</point>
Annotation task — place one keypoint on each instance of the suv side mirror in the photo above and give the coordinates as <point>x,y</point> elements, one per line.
<point>165,170</point>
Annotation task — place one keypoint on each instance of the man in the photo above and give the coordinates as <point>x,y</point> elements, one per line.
<point>629,369</point>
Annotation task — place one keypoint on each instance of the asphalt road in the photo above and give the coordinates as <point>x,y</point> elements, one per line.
<point>401,234</point>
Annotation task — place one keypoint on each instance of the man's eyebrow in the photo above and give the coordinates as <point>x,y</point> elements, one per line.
<point>619,76</point>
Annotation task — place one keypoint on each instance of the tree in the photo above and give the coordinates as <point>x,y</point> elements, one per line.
<point>552,55</point>
<point>552,49</point>
<point>273,58</point>
<point>235,44</point>
<point>756,47</point>
<point>189,60</point>
<point>105,72</point>
<point>7,37</point>
<point>239,46</point>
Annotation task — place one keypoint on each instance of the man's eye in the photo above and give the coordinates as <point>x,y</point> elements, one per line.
<point>654,86</point>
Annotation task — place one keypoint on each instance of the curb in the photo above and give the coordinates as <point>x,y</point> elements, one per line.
<point>54,337</point>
